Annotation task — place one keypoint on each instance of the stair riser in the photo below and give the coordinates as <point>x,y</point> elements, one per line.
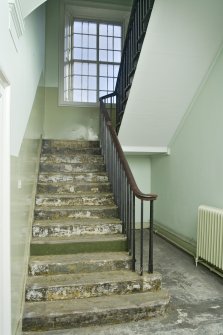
<point>37,269</point>
<point>77,320</point>
<point>65,292</point>
<point>75,178</point>
<point>74,248</point>
<point>71,159</point>
<point>71,151</point>
<point>63,144</point>
<point>65,188</point>
<point>75,230</point>
<point>72,168</point>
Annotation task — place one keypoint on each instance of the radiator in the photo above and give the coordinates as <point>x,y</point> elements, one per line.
<point>210,236</point>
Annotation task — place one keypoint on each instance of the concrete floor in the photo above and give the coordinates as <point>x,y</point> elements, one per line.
<point>196,305</point>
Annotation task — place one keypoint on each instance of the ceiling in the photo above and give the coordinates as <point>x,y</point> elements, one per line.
<point>181,44</point>
<point>28,6</point>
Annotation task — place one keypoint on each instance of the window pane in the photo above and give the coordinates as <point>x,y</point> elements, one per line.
<point>93,69</point>
<point>103,29</point>
<point>92,96</point>
<point>77,95</point>
<point>103,83</point>
<point>93,28</point>
<point>117,43</point>
<point>76,81</point>
<point>117,56</point>
<point>101,93</point>
<point>92,42</point>
<point>103,43</point>
<point>85,41</point>
<point>84,96</point>
<point>110,56</point>
<point>85,54</point>
<point>77,27</point>
<point>110,30</point>
<point>85,82</point>
<point>85,27</point>
<point>103,55</point>
<point>92,54</point>
<point>77,40</point>
<point>85,69</point>
<point>110,43</point>
<point>77,53</point>
<point>110,84</point>
<point>116,69</point>
<point>117,31</point>
<point>103,70</point>
<point>92,83</point>
<point>110,71</point>
<point>76,68</point>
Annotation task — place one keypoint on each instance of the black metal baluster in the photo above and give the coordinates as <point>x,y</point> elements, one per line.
<point>141,241</point>
<point>150,265</point>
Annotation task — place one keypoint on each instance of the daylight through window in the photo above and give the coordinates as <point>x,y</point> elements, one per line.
<point>92,54</point>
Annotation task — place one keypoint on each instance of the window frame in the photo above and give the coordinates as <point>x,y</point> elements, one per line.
<point>106,15</point>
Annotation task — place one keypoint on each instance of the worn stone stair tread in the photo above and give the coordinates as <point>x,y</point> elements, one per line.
<point>56,315</point>
<point>70,143</point>
<point>75,177</point>
<point>70,158</point>
<point>77,279</point>
<point>92,184</point>
<point>102,258</point>
<point>100,198</point>
<point>78,239</point>
<point>76,207</point>
<point>78,221</point>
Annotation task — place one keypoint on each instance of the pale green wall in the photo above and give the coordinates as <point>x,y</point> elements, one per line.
<point>24,170</point>
<point>192,174</point>
<point>68,122</point>
<point>63,122</point>
<point>140,166</point>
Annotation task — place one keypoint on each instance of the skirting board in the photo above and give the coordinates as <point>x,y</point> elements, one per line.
<point>182,244</point>
<point>175,239</point>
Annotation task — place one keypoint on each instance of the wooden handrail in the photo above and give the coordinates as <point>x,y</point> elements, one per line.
<point>140,195</point>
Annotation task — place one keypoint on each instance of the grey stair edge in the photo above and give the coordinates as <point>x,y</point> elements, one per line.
<point>77,221</point>
<point>89,257</point>
<point>75,207</point>
<point>93,304</point>
<point>77,279</point>
<point>68,195</point>
<point>79,239</point>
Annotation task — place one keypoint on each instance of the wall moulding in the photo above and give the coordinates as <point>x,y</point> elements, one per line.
<point>16,21</point>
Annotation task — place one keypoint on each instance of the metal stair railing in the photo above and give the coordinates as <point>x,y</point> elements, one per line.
<point>123,184</point>
<point>138,22</point>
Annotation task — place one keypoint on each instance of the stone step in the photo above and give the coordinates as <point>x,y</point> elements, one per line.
<point>75,212</point>
<point>78,188</point>
<point>73,177</point>
<point>71,167</point>
<point>75,227</point>
<point>58,315</point>
<point>86,285</point>
<point>71,159</point>
<point>70,147</point>
<point>58,200</point>
<point>77,244</point>
<point>63,144</point>
<point>79,263</point>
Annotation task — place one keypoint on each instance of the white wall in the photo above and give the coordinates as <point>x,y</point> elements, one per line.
<point>23,67</point>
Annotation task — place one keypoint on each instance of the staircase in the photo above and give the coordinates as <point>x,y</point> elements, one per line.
<point>79,270</point>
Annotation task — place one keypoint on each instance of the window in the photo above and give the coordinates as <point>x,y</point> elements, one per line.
<point>92,54</point>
